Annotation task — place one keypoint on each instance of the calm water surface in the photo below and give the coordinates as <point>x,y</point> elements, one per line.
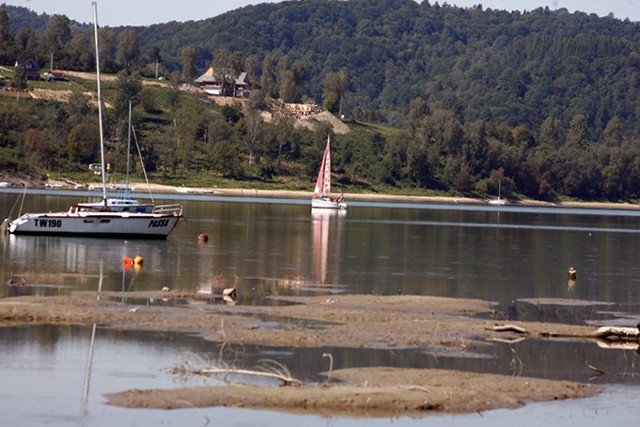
<point>266,248</point>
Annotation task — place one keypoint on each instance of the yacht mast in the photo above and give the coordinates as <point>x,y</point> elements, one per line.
<point>102,162</point>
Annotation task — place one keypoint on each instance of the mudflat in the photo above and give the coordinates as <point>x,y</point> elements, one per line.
<point>355,321</point>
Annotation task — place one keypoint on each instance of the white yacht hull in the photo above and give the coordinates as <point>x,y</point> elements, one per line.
<point>327,203</point>
<point>96,224</point>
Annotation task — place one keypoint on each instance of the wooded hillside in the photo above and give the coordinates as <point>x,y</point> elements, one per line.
<point>543,101</point>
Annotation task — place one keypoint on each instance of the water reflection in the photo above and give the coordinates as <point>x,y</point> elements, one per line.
<point>264,250</point>
<point>39,361</point>
<point>518,258</point>
<point>324,222</point>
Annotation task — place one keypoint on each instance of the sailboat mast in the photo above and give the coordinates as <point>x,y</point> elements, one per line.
<point>102,160</point>
<point>128,148</point>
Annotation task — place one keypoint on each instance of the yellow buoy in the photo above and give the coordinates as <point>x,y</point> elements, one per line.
<point>572,273</point>
<point>139,260</point>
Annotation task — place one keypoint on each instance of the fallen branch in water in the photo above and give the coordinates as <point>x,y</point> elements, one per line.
<point>609,333</point>
<point>286,380</point>
<point>509,328</point>
<point>268,369</point>
<point>599,371</point>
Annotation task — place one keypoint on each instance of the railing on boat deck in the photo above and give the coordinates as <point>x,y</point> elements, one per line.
<point>175,209</point>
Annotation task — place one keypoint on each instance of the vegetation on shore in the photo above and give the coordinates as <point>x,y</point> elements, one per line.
<point>437,99</point>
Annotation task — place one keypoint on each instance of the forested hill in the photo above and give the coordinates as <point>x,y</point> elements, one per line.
<point>541,104</point>
<point>508,68</point>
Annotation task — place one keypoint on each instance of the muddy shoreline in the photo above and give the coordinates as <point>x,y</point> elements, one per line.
<point>454,326</point>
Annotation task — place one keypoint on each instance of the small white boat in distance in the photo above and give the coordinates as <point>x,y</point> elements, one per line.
<point>499,201</point>
<point>322,198</point>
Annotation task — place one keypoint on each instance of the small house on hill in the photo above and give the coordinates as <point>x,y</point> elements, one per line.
<point>31,69</point>
<point>242,86</point>
<point>222,83</point>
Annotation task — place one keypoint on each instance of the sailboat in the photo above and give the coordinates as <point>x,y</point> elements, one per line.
<point>499,201</point>
<point>322,198</point>
<point>99,220</point>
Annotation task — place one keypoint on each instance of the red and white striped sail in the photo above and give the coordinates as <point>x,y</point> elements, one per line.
<point>323,183</point>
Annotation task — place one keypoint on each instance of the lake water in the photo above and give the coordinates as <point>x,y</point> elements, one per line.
<point>270,247</point>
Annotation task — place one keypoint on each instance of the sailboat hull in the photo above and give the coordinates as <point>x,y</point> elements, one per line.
<point>96,224</point>
<point>327,203</point>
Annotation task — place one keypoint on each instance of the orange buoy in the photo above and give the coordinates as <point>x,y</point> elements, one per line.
<point>202,237</point>
<point>127,260</point>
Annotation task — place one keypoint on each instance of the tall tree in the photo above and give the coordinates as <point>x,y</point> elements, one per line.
<point>81,53</point>
<point>335,85</point>
<point>128,87</point>
<point>20,77</point>
<point>284,129</point>
<point>269,75</point>
<point>156,58</point>
<point>56,36</point>
<point>189,63</point>
<point>128,48</point>
<point>254,127</point>
<point>108,52</point>
<point>292,79</point>
<point>7,39</point>
<point>27,43</point>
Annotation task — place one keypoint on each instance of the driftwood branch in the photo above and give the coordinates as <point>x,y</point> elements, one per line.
<point>509,328</point>
<point>611,337</point>
<point>616,332</point>
<point>287,380</point>
<point>195,365</point>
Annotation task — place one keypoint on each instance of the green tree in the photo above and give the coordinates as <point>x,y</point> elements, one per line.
<point>225,160</point>
<point>7,39</point>
<point>613,134</point>
<point>108,50</point>
<point>128,48</point>
<point>269,76</point>
<point>291,79</point>
<point>284,126</point>
<point>20,77</point>
<point>27,43</point>
<point>254,129</point>
<point>56,36</point>
<point>156,59</point>
<point>83,144</point>
<point>577,134</point>
<point>189,63</point>
<point>128,87</point>
<point>81,52</point>
<point>37,147</point>
<point>335,85</point>
<point>251,66</point>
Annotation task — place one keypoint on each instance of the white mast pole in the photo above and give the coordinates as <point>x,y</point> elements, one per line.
<point>102,160</point>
